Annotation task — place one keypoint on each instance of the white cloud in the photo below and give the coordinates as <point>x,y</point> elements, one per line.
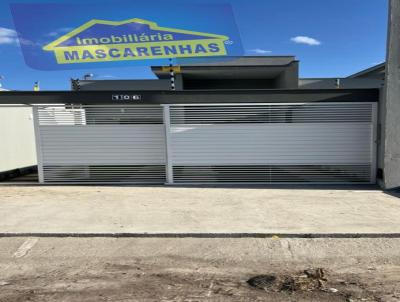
<point>6,32</point>
<point>52,34</point>
<point>260,51</point>
<point>106,76</point>
<point>8,36</point>
<point>305,40</point>
<point>7,40</point>
<point>59,32</point>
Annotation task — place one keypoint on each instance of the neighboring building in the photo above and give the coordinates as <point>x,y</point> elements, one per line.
<point>373,77</point>
<point>375,72</point>
<point>17,147</point>
<point>247,120</point>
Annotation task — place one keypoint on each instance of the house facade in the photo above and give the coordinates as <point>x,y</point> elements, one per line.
<point>247,120</point>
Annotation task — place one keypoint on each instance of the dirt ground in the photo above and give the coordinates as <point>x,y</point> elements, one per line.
<point>193,269</point>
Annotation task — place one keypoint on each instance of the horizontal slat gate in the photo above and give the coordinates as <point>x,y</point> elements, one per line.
<point>101,144</point>
<point>219,143</point>
<point>272,143</point>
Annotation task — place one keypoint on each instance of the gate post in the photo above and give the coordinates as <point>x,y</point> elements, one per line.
<point>168,151</point>
<point>39,155</point>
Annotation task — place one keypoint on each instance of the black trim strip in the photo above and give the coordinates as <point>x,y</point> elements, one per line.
<point>190,97</point>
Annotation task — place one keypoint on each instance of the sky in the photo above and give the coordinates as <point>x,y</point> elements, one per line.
<point>331,38</point>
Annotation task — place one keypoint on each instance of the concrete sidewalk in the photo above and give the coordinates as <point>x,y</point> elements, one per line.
<point>185,210</point>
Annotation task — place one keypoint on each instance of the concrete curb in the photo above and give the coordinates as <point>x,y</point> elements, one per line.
<point>206,235</point>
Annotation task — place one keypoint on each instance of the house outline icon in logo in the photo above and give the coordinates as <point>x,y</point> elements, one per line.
<point>133,39</point>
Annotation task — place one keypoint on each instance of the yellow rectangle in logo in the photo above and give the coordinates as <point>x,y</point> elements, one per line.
<point>140,51</point>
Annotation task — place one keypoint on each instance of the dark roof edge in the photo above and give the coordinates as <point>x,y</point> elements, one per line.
<point>225,66</point>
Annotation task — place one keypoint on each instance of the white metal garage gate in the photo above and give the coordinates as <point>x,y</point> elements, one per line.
<point>203,143</point>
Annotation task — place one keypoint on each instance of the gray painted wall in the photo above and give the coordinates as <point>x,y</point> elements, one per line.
<point>391,129</point>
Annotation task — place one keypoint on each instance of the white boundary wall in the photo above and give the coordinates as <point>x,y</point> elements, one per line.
<point>17,139</point>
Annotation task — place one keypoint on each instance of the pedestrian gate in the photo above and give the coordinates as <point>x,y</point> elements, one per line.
<point>207,143</point>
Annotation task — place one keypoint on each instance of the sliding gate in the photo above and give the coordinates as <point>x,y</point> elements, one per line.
<point>272,143</point>
<point>100,144</point>
<point>203,143</point>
